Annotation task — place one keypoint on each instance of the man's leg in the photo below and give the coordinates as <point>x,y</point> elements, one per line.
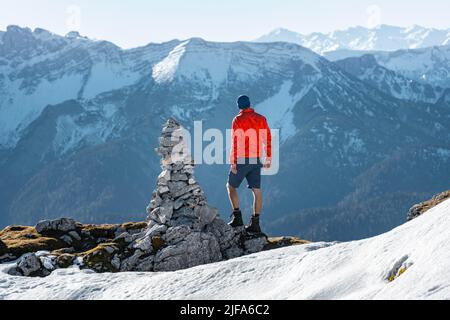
<point>257,202</point>
<point>236,220</point>
<point>254,226</point>
<point>234,197</point>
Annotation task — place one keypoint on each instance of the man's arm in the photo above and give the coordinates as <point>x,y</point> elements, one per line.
<point>267,140</point>
<point>234,146</point>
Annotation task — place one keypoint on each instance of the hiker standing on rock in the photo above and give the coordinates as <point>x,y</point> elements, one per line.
<point>250,137</point>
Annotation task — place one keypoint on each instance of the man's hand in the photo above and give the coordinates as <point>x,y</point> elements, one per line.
<point>268,164</point>
<point>234,169</point>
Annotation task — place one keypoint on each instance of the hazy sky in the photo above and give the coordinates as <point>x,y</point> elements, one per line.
<point>130,23</point>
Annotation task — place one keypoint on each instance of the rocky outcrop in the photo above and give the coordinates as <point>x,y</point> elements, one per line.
<point>55,247</point>
<point>182,230</point>
<point>421,208</point>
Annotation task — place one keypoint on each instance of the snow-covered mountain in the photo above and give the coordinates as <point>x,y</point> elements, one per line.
<point>383,38</point>
<point>430,66</point>
<point>409,262</point>
<point>39,68</point>
<point>427,65</point>
<point>395,84</point>
<point>80,119</point>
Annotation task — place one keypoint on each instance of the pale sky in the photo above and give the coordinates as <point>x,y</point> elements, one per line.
<point>131,23</point>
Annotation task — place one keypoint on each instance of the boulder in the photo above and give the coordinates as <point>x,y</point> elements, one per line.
<point>29,265</point>
<point>59,226</point>
<point>65,260</point>
<point>197,248</point>
<point>100,259</point>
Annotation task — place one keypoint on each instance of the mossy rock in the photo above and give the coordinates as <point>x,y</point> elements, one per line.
<point>65,260</point>
<point>108,231</point>
<point>423,207</point>
<point>100,258</point>
<point>157,243</point>
<point>281,242</point>
<point>105,231</point>
<point>20,240</point>
<point>134,226</point>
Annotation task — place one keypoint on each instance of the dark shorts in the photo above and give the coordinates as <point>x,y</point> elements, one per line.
<point>249,169</point>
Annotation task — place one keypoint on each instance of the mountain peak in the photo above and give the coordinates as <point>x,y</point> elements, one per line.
<point>18,29</point>
<point>75,35</point>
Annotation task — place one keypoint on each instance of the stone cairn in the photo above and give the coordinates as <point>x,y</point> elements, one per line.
<point>181,231</point>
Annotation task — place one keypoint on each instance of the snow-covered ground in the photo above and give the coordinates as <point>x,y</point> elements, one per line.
<point>354,270</point>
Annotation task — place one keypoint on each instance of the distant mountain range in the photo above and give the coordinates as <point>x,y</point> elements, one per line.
<point>381,38</point>
<point>362,139</point>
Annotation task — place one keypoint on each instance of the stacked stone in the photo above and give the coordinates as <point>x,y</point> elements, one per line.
<point>178,195</point>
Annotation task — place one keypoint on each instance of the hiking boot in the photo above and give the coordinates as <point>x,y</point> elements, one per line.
<point>254,226</point>
<point>236,221</point>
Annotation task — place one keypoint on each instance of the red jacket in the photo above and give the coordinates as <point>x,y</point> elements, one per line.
<point>250,136</point>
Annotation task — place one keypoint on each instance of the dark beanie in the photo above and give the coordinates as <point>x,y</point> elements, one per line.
<point>243,102</point>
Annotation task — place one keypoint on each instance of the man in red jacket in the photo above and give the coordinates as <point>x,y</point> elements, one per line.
<point>250,137</point>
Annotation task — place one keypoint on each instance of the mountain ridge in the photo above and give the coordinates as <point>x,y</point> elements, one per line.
<point>383,37</point>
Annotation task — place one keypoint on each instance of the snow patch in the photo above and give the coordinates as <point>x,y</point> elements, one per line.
<point>165,70</point>
<point>106,77</point>
<point>278,109</point>
<point>18,109</point>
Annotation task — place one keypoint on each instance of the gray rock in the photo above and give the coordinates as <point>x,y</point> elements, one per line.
<point>29,264</point>
<point>414,212</point>
<point>163,190</point>
<point>197,249</point>
<point>130,263</point>
<point>155,215</point>
<point>184,191</point>
<point>177,186</point>
<point>63,225</point>
<point>233,252</point>
<point>145,264</point>
<point>179,177</point>
<point>178,203</point>
<point>177,234</point>
<point>115,262</point>
<point>165,175</point>
<point>227,236</point>
<point>184,212</point>
<point>144,244</point>
<point>125,237</point>
<point>156,230</point>
<point>48,262</point>
<point>66,239</point>
<point>255,245</point>
<point>75,235</point>
<point>206,215</point>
